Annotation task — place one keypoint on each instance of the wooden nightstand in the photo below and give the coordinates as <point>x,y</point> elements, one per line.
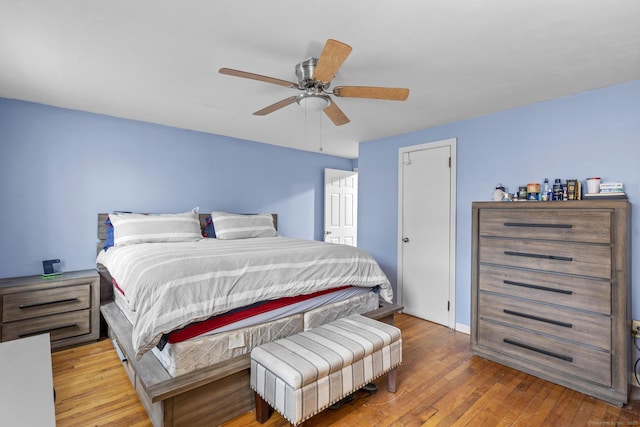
<point>66,306</point>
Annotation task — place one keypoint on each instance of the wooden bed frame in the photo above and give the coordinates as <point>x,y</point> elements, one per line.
<point>207,396</point>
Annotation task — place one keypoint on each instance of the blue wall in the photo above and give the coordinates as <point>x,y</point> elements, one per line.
<point>59,168</point>
<point>596,133</point>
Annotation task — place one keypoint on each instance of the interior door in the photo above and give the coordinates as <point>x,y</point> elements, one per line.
<point>426,267</point>
<point>341,207</point>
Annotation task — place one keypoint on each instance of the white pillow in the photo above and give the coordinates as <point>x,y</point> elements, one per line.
<point>131,228</point>
<point>236,226</point>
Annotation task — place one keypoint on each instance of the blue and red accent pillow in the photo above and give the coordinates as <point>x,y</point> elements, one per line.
<point>209,231</point>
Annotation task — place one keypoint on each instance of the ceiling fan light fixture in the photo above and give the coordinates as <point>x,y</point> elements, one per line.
<point>313,101</point>
<point>314,79</point>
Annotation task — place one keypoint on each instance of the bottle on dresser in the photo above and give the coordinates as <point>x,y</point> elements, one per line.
<point>544,194</point>
<point>557,189</point>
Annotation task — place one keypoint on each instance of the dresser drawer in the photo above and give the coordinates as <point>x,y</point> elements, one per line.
<point>557,257</point>
<point>580,327</point>
<point>27,305</point>
<point>590,364</point>
<point>591,226</point>
<point>570,291</point>
<point>60,326</point>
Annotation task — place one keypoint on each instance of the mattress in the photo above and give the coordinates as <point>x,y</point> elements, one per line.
<point>197,353</point>
<point>236,340</point>
<point>171,285</point>
<point>187,356</point>
<point>321,315</point>
<point>121,302</point>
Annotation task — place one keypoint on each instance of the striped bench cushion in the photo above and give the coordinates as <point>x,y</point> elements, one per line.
<point>303,374</point>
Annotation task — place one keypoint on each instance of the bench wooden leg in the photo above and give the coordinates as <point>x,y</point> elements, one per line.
<point>391,380</point>
<point>263,409</point>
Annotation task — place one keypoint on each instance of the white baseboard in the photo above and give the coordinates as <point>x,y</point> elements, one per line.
<point>465,329</point>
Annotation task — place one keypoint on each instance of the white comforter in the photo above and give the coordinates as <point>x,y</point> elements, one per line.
<point>169,285</point>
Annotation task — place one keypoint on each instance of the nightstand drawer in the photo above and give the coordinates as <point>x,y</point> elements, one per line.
<point>60,326</point>
<point>580,327</point>
<point>570,291</point>
<point>556,257</point>
<point>28,305</point>
<point>591,226</point>
<point>587,363</point>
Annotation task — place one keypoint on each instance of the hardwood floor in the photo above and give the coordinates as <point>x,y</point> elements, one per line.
<point>92,388</point>
<point>439,384</point>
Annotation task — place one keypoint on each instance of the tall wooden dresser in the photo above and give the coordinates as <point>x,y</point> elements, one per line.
<point>551,291</point>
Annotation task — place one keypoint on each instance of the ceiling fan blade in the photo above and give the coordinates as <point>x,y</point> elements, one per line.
<point>335,114</point>
<point>331,59</point>
<point>253,76</point>
<point>274,107</point>
<point>371,92</point>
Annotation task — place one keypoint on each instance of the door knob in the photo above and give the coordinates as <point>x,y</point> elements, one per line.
<point>327,232</point>
<point>406,240</point>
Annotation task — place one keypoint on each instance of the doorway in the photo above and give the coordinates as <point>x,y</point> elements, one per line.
<point>426,228</point>
<point>341,207</point>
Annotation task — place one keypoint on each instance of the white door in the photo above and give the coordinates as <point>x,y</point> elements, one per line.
<point>341,207</point>
<point>426,228</point>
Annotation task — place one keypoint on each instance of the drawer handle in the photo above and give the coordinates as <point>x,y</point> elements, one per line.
<point>44,331</point>
<point>538,350</point>
<point>42,304</point>
<point>524,224</point>
<point>551,257</point>
<point>121,355</point>
<point>541,288</point>
<point>538,318</point>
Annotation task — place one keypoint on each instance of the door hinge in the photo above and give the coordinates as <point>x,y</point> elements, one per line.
<point>448,305</point>
<point>449,161</point>
<point>406,158</point>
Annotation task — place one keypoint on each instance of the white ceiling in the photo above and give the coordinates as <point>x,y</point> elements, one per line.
<point>157,60</point>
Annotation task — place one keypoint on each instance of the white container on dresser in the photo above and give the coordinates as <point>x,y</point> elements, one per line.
<point>551,291</point>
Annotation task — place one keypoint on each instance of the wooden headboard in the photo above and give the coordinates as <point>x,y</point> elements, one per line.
<point>102,229</point>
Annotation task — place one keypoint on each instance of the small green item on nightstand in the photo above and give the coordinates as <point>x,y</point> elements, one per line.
<point>52,275</point>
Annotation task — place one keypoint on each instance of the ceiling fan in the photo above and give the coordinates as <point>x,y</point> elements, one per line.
<point>314,79</point>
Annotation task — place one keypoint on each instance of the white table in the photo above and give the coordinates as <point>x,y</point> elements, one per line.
<point>26,382</point>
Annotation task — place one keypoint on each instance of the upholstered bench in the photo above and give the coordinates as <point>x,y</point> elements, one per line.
<point>305,373</point>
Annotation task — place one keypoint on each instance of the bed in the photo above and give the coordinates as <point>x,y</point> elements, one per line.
<point>204,378</point>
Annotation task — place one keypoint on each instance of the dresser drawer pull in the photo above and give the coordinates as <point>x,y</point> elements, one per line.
<point>541,288</point>
<point>538,350</point>
<point>524,224</point>
<point>552,257</point>
<point>44,331</point>
<point>41,304</point>
<point>540,319</point>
